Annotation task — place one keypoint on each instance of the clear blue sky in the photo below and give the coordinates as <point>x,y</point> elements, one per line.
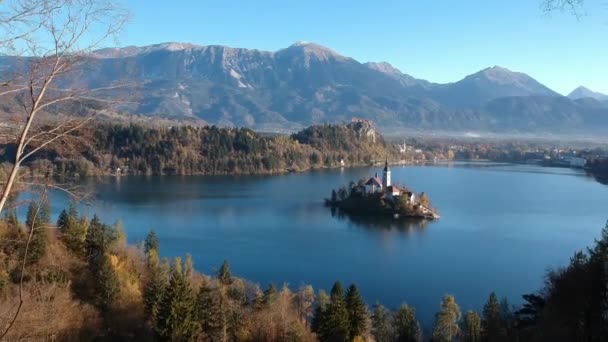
<point>440,40</point>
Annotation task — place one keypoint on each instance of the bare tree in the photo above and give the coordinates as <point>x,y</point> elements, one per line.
<point>54,40</point>
<point>574,6</point>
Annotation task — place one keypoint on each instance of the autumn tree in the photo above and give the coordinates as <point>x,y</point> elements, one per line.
<point>381,324</point>
<point>471,327</point>
<point>51,41</point>
<point>446,320</point>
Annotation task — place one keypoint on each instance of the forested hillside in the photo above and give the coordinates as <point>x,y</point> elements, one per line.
<point>188,150</point>
<point>79,280</point>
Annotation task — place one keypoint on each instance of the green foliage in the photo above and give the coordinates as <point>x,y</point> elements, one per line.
<point>72,229</point>
<point>406,327</point>
<point>446,320</point>
<point>185,150</point>
<point>212,312</point>
<point>357,312</point>
<point>335,324</point>
<point>381,324</point>
<point>151,243</point>
<point>492,324</point>
<point>472,327</point>
<point>155,287</point>
<point>270,294</point>
<point>106,285</point>
<point>223,275</point>
<point>38,215</point>
<point>97,242</point>
<point>176,318</point>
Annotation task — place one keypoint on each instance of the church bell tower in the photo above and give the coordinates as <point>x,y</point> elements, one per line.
<point>386,176</point>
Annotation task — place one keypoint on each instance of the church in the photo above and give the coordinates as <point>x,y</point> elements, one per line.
<point>375,185</point>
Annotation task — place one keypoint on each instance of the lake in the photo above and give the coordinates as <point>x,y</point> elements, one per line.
<point>501,228</point>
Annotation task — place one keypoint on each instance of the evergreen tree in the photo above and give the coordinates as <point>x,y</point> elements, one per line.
<point>337,323</point>
<point>446,320</point>
<point>381,325</point>
<point>492,323</point>
<point>223,275</point>
<point>37,218</point>
<point>407,328</point>
<point>72,229</point>
<point>319,318</point>
<point>155,287</point>
<point>62,221</point>
<point>357,312</point>
<point>97,242</point>
<point>106,282</point>
<point>151,242</point>
<point>176,317</point>
<point>472,327</point>
<point>211,307</point>
<point>270,294</point>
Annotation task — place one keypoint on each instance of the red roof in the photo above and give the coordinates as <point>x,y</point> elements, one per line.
<point>374,181</point>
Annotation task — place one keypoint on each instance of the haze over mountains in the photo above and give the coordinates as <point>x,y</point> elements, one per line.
<point>306,83</point>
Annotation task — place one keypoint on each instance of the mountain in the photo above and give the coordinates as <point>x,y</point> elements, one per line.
<point>489,84</point>
<point>582,92</point>
<point>307,83</point>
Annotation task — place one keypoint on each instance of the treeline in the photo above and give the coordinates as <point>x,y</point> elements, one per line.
<point>81,281</point>
<point>187,150</point>
<point>598,166</point>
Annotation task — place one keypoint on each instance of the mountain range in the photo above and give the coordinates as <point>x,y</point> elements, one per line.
<point>307,83</point>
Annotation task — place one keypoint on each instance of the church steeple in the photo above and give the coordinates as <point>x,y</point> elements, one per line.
<point>386,176</point>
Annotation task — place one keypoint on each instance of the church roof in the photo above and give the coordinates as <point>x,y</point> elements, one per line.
<point>374,181</point>
<point>386,165</point>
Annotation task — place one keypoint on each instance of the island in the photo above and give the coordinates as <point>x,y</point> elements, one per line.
<point>378,197</point>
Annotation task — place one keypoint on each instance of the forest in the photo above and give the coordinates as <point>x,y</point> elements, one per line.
<point>188,150</point>
<point>77,279</point>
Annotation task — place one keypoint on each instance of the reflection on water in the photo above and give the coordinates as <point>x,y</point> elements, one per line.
<point>403,225</point>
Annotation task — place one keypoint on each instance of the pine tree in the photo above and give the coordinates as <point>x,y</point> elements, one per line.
<point>155,288</point>
<point>270,294</point>
<point>381,325</point>
<point>72,229</point>
<point>212,313</point>
<point>37,218</point>
<point>223,275</point>
<point>472,327</point>
<point>319,318</point>
<point>407,328</point>
<point>176,317</point>
<point>492,323</point>
<point>107,288</point>
<point>337,323</point>
<point>446,320</point>
<point>97,242</point>
<point>357,312</point>
<point>151,242</point>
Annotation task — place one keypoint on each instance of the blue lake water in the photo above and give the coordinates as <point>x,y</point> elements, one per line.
<point>501,228</point>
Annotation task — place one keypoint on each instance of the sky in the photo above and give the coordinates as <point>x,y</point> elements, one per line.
<point>440,40</point>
